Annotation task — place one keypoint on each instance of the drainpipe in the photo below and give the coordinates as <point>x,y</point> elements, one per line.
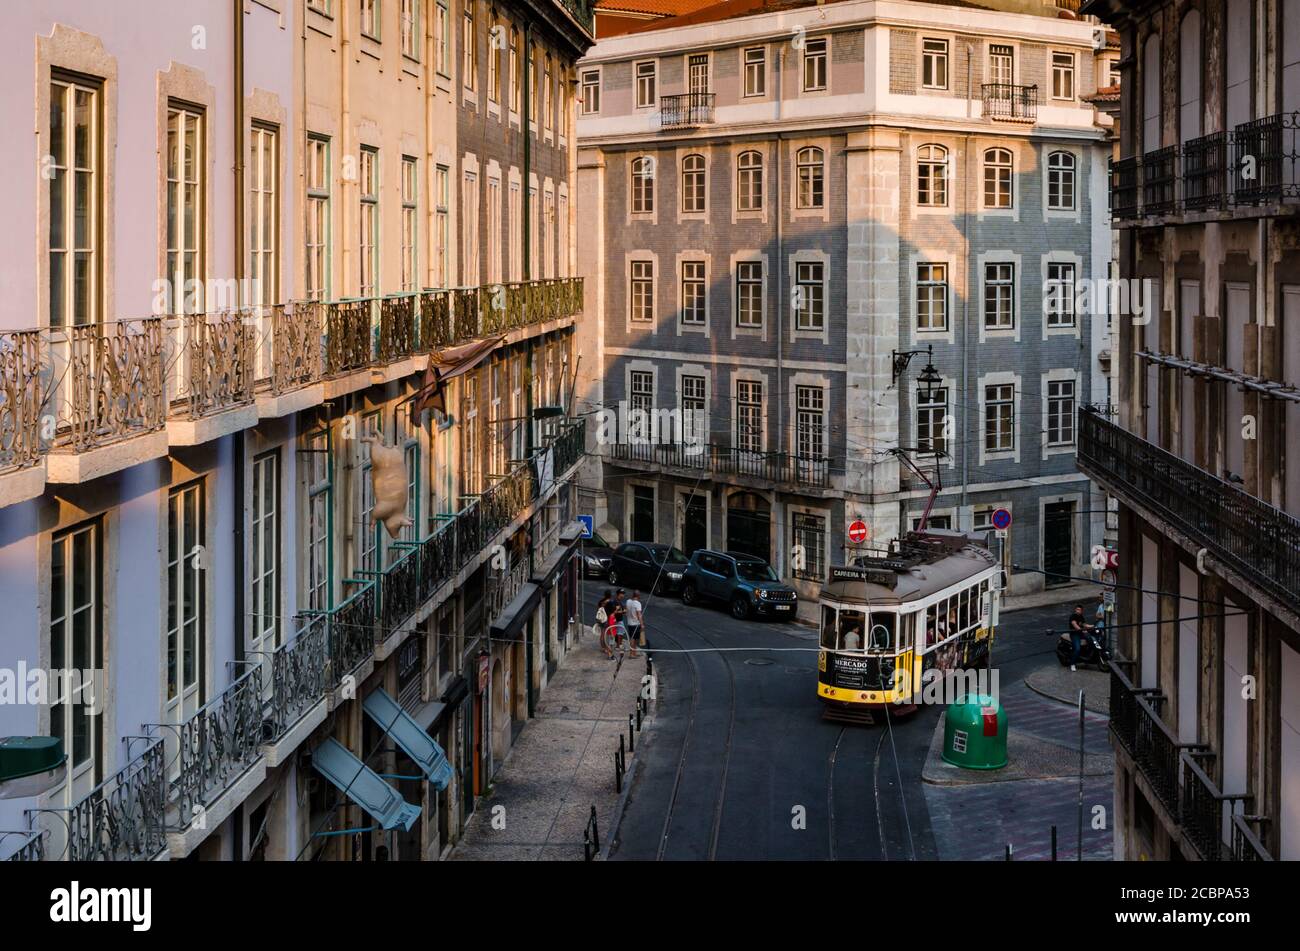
<point>525,129</point>
<point>237,483</point>
<point>780,310</point>
<point>965,328</point>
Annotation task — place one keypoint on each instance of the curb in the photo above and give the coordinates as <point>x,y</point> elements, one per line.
<point>1069,702</point>
<point>620,807</point>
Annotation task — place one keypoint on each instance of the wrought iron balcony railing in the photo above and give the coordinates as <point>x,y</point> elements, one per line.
<point>1206,811</point>
<point>1257,541</point>
<point>1010,102</point>
<point>1136,723</point>
<point>687,110</point>
<point>1247,844</point>
<point>21,399</point>
<point>299,669</point>
<point>1205,172</point>
<point>1266,166</point>
<point>122,819</point>
<point>777,467</point>
<point>584,11</point>
<point>1160,181</point>
<point>23,845</point>
<point>1124,189</point>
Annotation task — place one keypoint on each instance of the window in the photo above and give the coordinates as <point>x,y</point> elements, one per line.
<point>76,641</point>
<point>265,540</point>
<point>185,595</point>
<point>932,176</point>
<point>1060,412</point>
<point>75,144</point>
<point>370,18</point>
<point>319,504</point>
<point>693,290</point>
<point>318,218</point>
<point>645,85</point>
<point>934,64</point>
<point>1002,64</point>
<point>931,414</point>
<point>697,73</point>
<point>369,181</point>
<point>1060,181</point>
<point>932,297</point>
<point>410,29</point>
<point>494,59</point>
<point>470,213</point>
<point>810,164</point>
<point>468,41</point>
<point>810,422</point>
<point>442,226</point>
<point>515,213</point>
<point>999,296</point>
<point>516,72</point>
<point>643,185</point>
<point>590,92</point>
<point>408,437</point>
<point>442,38</point>
<point>749,415</point>
<point>264,214</point>
<point>643,294</point>
<point>693,184</point>
<point>999,418</point>
<point>808,535</point>
<point>532,83</point>
<point>749,294</point>
<point>749,181</point>
<point>548,235</point>
<point>494,229</point>
<point>1060,294</point>
<point>546,93</point>
<point>410,225</point>
<point>642,404</point>
<point>695,421</point>
<point>814,65</point>
<point>997,178</point>
<point>756,71</point>
<point>1113,71</point>
<point>810,297</point>
<point>366,528</point>
<point>186,214</point>
<point>1062,75</point>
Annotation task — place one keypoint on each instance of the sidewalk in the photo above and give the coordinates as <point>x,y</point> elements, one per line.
<point>561,764</point>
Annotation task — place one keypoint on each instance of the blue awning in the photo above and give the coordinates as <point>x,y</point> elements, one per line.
<point>363,785</point>
<point>408,735</point>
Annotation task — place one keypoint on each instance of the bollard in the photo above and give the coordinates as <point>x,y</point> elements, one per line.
<point>618,770</point>
<point>1053,843</point>
<point>1008,851</point>
<point>591,838</point>
<point>631,736</point>
<point>638,715</point>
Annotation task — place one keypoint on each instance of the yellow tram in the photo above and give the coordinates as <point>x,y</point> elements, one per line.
<point>888,618</point>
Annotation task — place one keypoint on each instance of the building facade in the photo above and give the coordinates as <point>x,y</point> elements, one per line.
<point>778,207</point>
<point>250,222</point>
<point>1205,701</point>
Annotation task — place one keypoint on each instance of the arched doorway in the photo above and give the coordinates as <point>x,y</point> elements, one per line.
<point>749,525</point>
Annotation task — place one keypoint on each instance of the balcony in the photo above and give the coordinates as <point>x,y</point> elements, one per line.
<point>1124,189</point>
<point>1266,158</point>
<point>1160,181</point>
<point>1010,103</point>
<point>778,468</point>
<point>1136,724</point>
<point>1207,813</point>
<point>686,111</point>
<point>1259,543</point>
<point>1205,172</point>
<point>1247,844</point>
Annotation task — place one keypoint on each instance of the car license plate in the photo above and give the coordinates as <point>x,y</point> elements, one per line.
<point>784,607</point>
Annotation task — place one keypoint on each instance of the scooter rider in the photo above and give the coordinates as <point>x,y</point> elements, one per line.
<point>1079,629</point>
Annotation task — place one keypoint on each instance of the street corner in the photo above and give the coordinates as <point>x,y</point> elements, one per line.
<point>1055,681</point>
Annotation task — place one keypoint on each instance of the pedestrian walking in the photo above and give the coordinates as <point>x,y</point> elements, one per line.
<point>602,623</point>
<point>632,614</point>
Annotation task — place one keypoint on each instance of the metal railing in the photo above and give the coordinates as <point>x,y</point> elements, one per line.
<point>1124,188</point>
<point>21,399</point>
<point>1259,542</point>
<point>584,11</point>
<point>31,844</point>
<point>1247,844</point>
<point>1203,805</point>
<point>686,110</point>
<point>1160,181</point>
<point>1205,172</point>
<point>776,467</point>
<point>122,819</point>
<point>1266,165</point>
<point>1009,101</point>
<point>298,675</point>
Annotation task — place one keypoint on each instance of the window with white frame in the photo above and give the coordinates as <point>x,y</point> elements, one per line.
<point>694,400</point>
<point>366,528</point>
<point>931,414</point>
<point>370,18</point>
<point>1060,412</point>
<point>76,204</point>
<point>642,403</point>
<point>645,85</point>
<point>749,294</point>
<point>494,58</point>
<point>693,195</point>
<point>319,504</point>
<point>533,82</point>
<point>75,635</point>
<point>932,176</point>
<point>810,164</point>
<point>516,72</point>
<point>442,38</point>
<point>410,28</point>
<point>186,208</point>
<point>997,178</point>
<point>999,418</point>
<point>1060,181</point>
<point>810,422</point>
<point>932,297</point>
<point>548,234</point>
<point>643,293</point>
<point>264,213</point>
<point>590,92</point>
<point>693,291</point>
<point>186,612</point>
<point>469,51</point>
<point>408,437</point>
<point>1060,294</point>
<point>368,175</point>
<point>749,181</point>
<point>810,295</point>
<point>808,535</point>
<point>494,226</point>
<point>472,443</point>
<point>442,222</point>
<point>410,225</point>
<point>1002,64</point>
<point>999,296</point>
<point>469,226</point>
<point>934,64</point>
<point>756,71</point>
<point>264,532</point>
<point>548,116</point>
<point>318,218</point>
<point>749,415</point>
<point>643,185</point>
<point>814,64</point>
<point>1062,75</point>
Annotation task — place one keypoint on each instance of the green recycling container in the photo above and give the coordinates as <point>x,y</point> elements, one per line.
<point>975,733</point>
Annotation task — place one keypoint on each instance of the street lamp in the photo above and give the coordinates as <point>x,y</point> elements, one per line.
<point>902,358</point>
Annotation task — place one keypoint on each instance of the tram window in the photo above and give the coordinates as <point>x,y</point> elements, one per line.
<point>963,616</point>
<point>931,628</point>
<point>952,616</point>
<point>828,628</point>
<point>852,624</point>
<point>905,632</point>
<point>882,633</point>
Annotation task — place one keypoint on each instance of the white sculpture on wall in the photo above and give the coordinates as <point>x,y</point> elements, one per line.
<point>388,478</point>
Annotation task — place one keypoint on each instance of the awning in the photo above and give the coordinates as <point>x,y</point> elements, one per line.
<point>457,692</point>
<point>547,571</point>
<point>408,735</point>
<point>447,363</point>
<point>363,786</point>
<point>426,715</point>
<point>516,614</point>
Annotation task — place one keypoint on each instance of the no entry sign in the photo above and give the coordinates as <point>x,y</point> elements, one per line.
<point>1001,519</point>
<point>857,531</point>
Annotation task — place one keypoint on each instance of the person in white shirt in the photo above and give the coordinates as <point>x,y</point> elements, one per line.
<point>852,640</point>
<point>632,612</point>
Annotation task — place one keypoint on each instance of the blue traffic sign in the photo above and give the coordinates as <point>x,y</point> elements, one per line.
<point>588,525</point>
<point>1001,520</point>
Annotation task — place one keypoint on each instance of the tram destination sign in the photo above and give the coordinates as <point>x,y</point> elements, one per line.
<point>876,574</point>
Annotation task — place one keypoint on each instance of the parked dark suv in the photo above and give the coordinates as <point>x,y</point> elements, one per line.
<point>748,585</point>
<point>638,564</point>
<point>597,556</point>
